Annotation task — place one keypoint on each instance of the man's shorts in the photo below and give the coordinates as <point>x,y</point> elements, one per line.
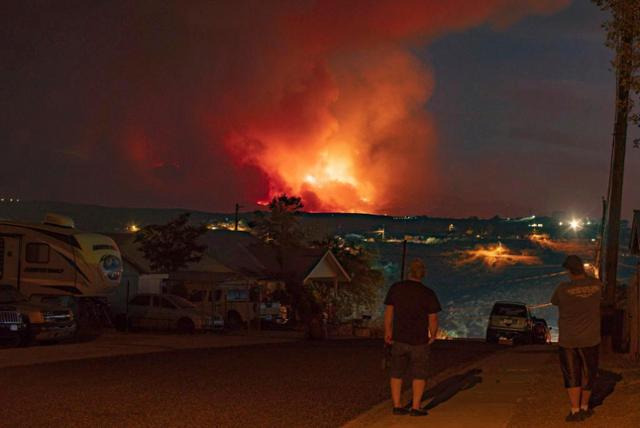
<point>579,366</point>
<point>409,359</point>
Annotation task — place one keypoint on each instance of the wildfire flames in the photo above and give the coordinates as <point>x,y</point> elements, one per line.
<point>497,256</point>
<point>581,248</point>
<point>321,99</point>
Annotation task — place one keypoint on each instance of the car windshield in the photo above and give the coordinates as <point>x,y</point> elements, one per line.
<point>8,294</point>
<point>180,302</point>
<point>509,310</point>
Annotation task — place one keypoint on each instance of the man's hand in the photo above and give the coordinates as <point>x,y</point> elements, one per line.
<point>433,327</point>
<point>388,339</point>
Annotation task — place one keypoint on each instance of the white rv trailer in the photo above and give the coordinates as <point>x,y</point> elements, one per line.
<point>55,262</point>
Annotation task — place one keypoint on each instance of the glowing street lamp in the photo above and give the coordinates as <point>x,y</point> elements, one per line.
<point>133,228</point>
<point>575,225</point>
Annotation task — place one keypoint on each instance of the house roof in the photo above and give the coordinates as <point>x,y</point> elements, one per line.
<point>230,252</point>
<point>241,252</point>
<point>132,254</point>
<point>314,264</point>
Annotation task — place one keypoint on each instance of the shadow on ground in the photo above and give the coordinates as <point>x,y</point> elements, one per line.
<point>449,387</point>
<point>605,385</point>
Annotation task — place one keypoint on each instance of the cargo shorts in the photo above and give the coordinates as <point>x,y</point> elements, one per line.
<point>579,366</point>
<point>412,360</point>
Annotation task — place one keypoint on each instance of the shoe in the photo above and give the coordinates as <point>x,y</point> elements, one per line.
<point>400,411</point>
<point>418,412</point>
<point>587,413</point>
<point>574,417</point>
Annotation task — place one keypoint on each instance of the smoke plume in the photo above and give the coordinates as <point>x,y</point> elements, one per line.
<point>204,104</point>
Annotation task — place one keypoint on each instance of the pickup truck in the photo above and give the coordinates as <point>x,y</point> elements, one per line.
<point>23,322</point>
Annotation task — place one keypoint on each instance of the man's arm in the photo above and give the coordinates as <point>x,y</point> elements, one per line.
<point>388,324</point>
<point>433,327</point>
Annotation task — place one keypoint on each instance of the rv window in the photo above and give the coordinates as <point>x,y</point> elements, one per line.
<point>141,300</point>
<point>237,295</point>
<point>37,253</point>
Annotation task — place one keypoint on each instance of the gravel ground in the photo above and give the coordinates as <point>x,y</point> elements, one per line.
<point>315,384</point>
<point>616,394</point>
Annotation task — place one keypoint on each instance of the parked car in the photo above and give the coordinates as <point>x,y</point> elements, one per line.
<point>22,322</point>
<point>167,312</point>
<point>238,304</point>
<point>273,313</point>
<point>541,331</point>
<point>510,321</point>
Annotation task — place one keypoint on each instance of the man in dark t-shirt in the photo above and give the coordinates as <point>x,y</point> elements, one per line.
<point>411,324</point>
<point>578,302</point>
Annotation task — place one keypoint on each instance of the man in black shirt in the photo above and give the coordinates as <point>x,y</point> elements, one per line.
<point>410,324</point>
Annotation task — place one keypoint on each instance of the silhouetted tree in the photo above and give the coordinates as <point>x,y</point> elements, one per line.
<point>623,36</point>
<point>172,246</point>
<point>280,226</point>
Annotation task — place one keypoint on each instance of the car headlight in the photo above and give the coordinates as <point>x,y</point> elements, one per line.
<point>36,317</point>
<point>111,267</point>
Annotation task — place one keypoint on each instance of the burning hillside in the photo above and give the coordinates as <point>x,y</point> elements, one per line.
<point>496,256</point>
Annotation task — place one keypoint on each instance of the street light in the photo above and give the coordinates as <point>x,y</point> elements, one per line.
<point>575,225</point>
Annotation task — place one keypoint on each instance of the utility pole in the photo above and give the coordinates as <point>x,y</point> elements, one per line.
<point>623,79</point>
<point>237,210</point>
<point>404,258</point>
<point>601,243</point>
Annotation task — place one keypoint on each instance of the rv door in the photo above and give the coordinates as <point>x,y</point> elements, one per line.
<point>10,260</point>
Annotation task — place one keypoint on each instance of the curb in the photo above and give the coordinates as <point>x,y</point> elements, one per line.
<point>363,420</point>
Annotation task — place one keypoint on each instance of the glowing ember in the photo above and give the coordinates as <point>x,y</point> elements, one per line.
<point>497,256</point>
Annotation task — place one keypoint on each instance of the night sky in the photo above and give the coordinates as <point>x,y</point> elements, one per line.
<point>453,108</point>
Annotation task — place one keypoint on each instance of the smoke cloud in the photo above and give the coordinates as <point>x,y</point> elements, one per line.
<point>239,101</point>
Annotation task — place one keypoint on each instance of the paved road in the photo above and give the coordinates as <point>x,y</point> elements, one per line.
<point>520,387</point>
<point>315,384</point>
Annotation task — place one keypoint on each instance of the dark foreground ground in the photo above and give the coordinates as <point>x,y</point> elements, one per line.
<point>314,384</point>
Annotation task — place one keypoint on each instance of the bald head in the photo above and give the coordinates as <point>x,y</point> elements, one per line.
<point>417,270</point>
